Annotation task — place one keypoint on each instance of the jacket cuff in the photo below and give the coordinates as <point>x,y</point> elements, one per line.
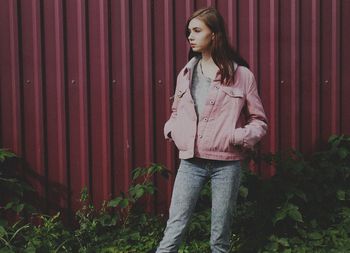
<point>238,136</point>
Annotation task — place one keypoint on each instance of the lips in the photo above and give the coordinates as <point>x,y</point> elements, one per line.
<point>192,45</point>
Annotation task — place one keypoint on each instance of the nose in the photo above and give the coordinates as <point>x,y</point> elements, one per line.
<point>190,37</point>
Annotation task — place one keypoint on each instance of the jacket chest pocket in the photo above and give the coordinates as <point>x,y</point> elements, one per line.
<point>233,95</point>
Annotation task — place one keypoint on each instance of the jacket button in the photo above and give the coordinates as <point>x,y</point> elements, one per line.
<point>205,119</point>
<point>200,136</point>
<point>211,102</point>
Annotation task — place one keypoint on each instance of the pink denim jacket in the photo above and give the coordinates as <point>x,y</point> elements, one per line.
<point>233,119</point>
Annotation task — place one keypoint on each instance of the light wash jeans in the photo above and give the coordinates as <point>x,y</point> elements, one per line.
<point>191,176</point>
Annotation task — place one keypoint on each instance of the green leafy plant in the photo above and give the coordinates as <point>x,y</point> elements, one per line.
<point>304,207</point>
<point>13,188</point>
<point>300,202</point>
<point>119,219</point>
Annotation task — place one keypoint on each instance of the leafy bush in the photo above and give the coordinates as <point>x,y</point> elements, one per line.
<point>12,187</point>
<point>302,205</point>
<point>303,208</point>
<point>116,227</point>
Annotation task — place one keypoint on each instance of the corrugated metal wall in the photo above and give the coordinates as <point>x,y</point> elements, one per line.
<point>85,84</point>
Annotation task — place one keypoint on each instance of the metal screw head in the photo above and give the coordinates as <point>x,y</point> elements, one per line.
<point>114,81</point>
<point>28,82</point>
<point>160,81</point>
<point>73,82</point>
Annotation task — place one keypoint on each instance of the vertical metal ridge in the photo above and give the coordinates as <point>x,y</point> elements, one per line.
<point>125,37</point>
<point>148,87</point>
<point>60,97</point>
<point>211,3</point>
<point>315,79</point>
<point>253,56</point>
<point>148,91</point>
<point>274,24</point>
<point>105,120</point>
<point>169,67</point>
<point>15,80</point>
<point>345,67</point>
<point>82,90</point>
<point>232,22</point>
<point>295,17</point>
<point>335,73</point>
<point>37,90</point>
<point>189,9</point>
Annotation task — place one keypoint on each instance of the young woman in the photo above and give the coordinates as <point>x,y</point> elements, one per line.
<point>216,116</point>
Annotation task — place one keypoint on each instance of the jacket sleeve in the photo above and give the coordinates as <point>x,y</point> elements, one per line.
<point>169,123</point>
<point>256,126</point>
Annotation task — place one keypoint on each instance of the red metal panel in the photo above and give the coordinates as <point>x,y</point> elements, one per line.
<point>79,142</point>
<point>10,105</point>
<point>345,67</point>
<point>99,102</point>
<point>329,68</point>
<point>32,71</point>
<point>164,78</point>
<point>268,74</point>
<point>85,85</point>
<point>295,74</point>
<point>121,95</point>
<point>142,83</point>
<point>229,11</point>
<point>285,120</point>
<point>335,61</point>
<point>309,73</point>
<point>143,115</point>
<point>54,97</point>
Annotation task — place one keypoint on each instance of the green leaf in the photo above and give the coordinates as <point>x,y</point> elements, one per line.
<point>301,195</point>
<point>332,138</point>
<point>243,191</point>
<point>343,152</point>
<point>341,195</point>
<point>149,188</point>
<point>2,231</point>
<point>315,236</point>
<point>283,241</point>
<point>137,173</point>
<point>114,202</point>
<point>124,203</point>
<point>295,214</point>
<point>139,193</point>
<point>9,205</point>
<point>280,215</point>
<point>19,208</point>
<point>4,153</point>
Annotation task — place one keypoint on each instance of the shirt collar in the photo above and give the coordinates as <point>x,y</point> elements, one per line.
<point>188,69</point>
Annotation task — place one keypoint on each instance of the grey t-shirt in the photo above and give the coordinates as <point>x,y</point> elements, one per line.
<point>199,89</point>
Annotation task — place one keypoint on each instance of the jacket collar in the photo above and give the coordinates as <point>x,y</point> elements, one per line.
<point>188,69</point>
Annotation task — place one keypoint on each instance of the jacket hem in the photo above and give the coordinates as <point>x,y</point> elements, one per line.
<point>223,156</point>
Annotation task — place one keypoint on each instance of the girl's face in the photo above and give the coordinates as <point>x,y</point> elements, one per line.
<point>199,36</point>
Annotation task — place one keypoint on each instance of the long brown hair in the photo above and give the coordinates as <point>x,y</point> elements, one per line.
<point>222,52</point>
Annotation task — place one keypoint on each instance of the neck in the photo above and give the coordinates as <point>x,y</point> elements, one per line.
<point>206,57</point>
